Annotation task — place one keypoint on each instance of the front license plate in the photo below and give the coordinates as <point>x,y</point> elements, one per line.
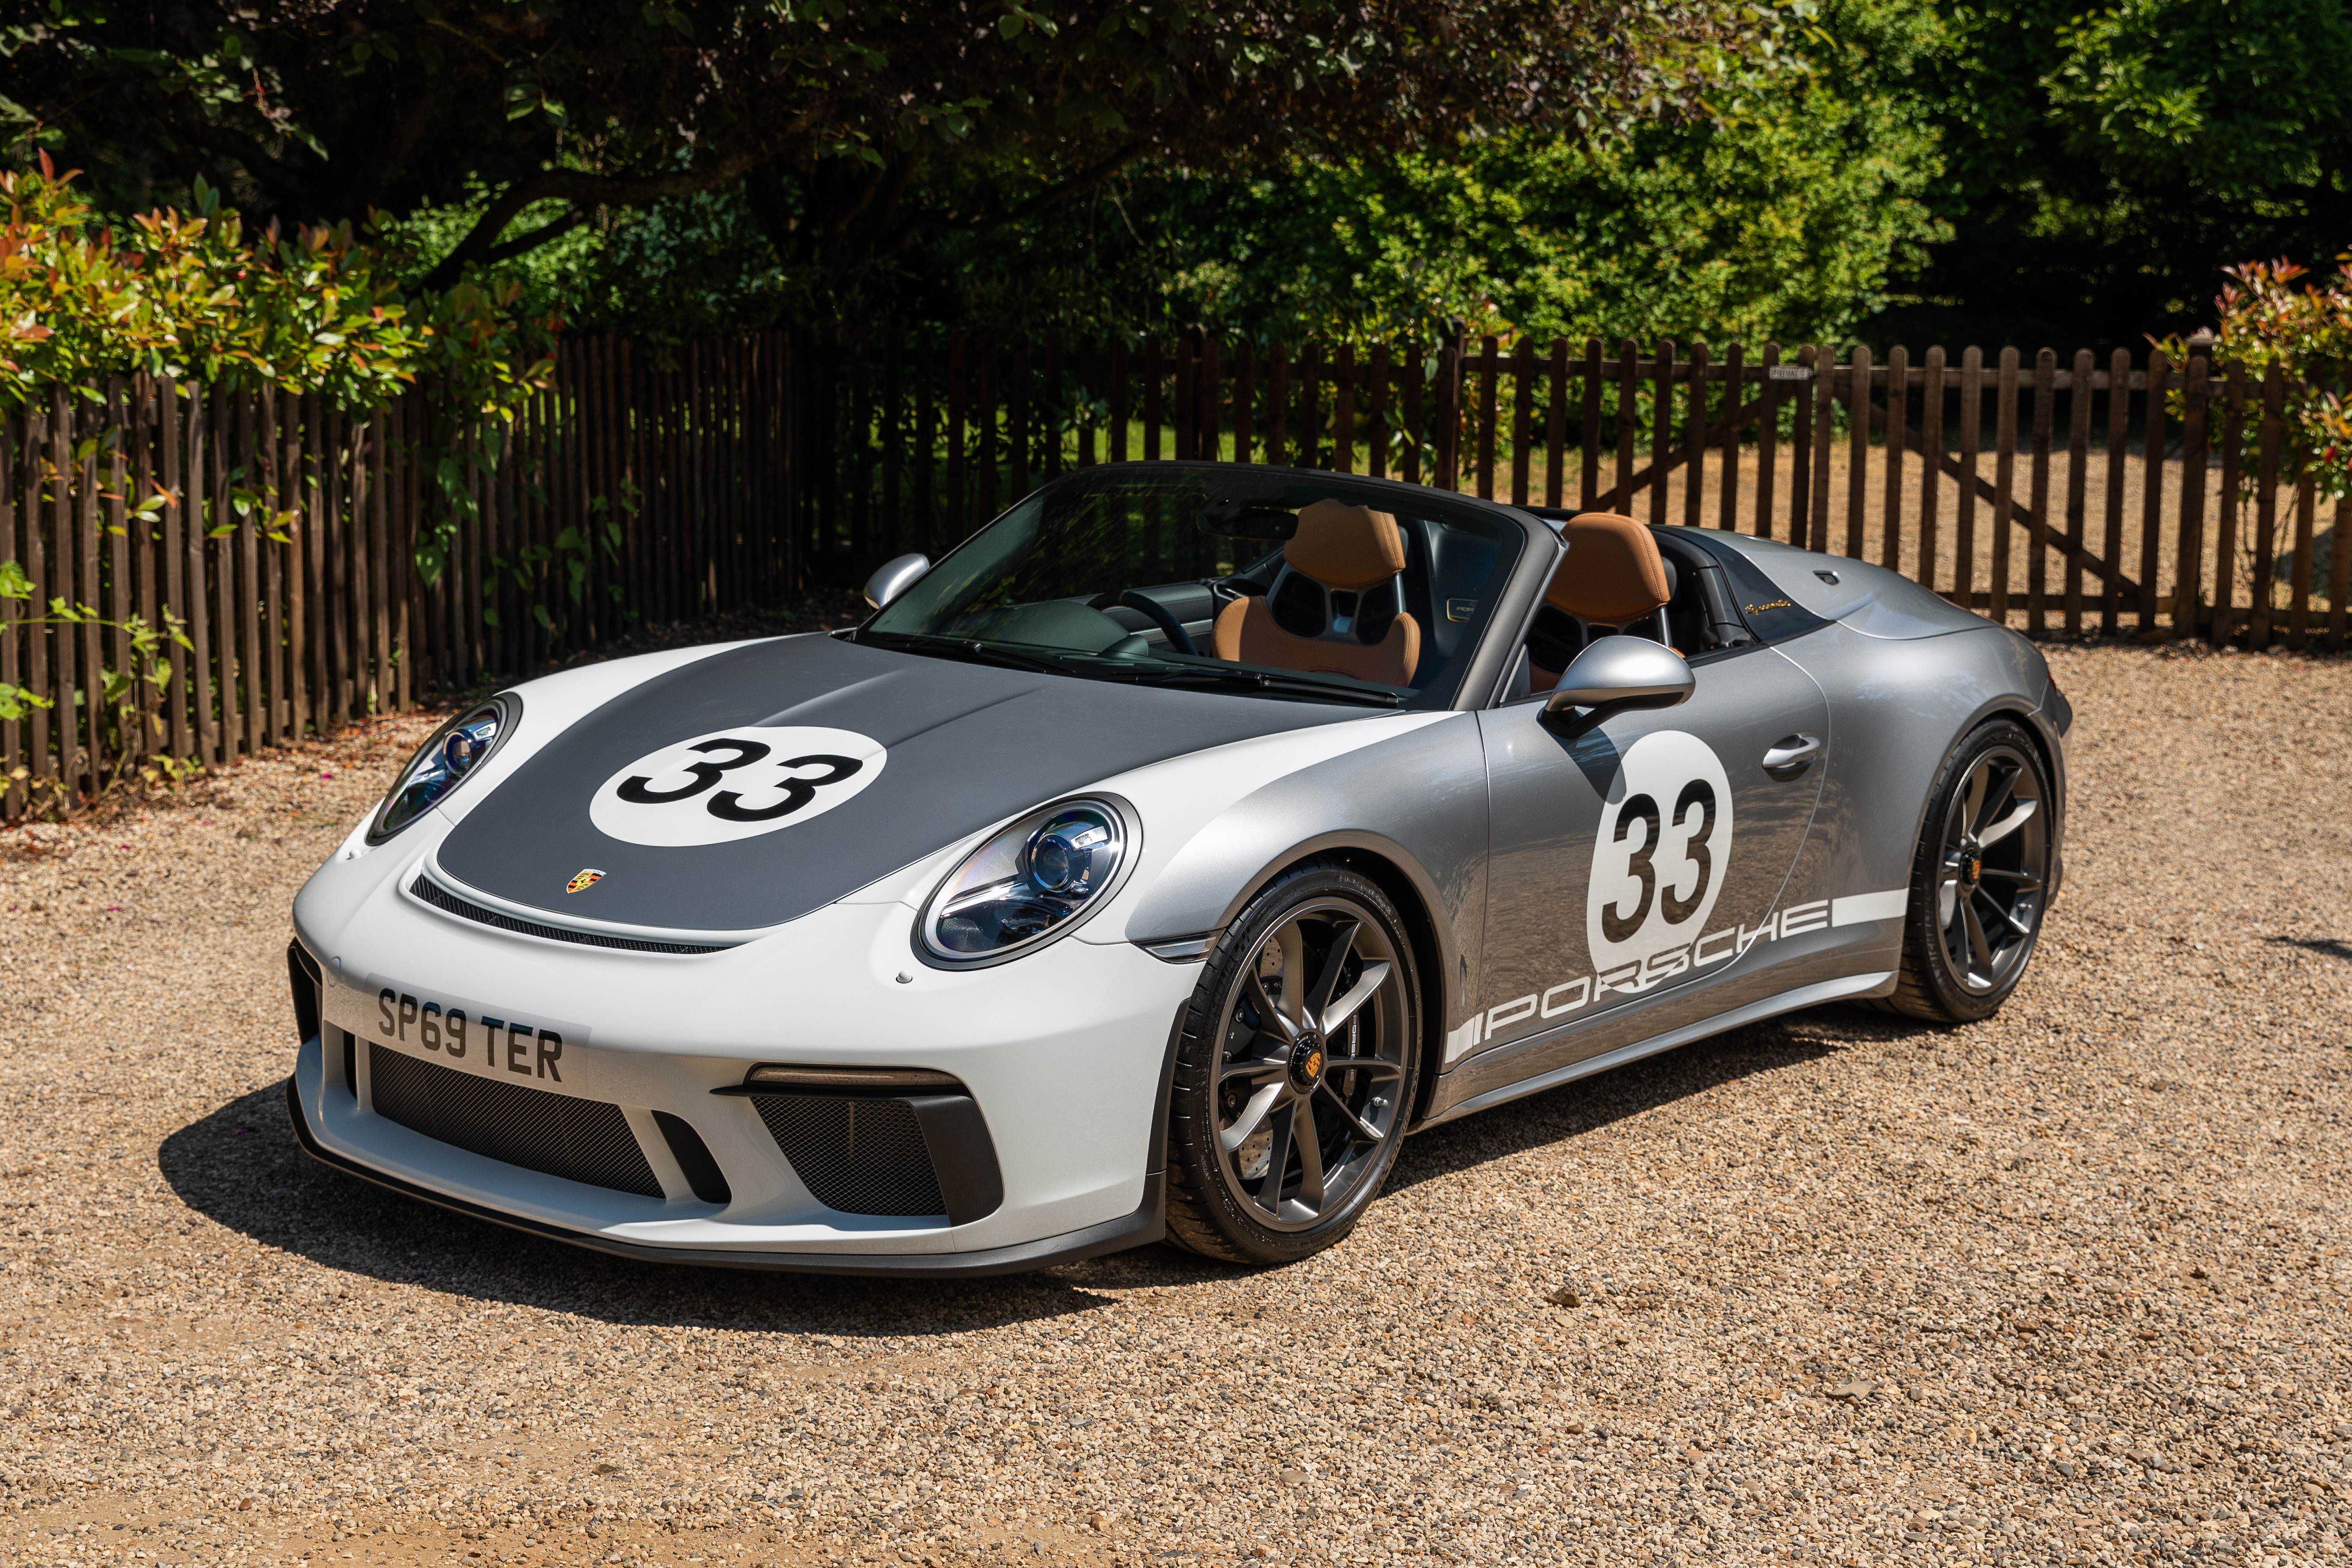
<point>457,1031</point>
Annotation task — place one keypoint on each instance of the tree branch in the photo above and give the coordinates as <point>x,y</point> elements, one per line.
<point>586,192</point>
<point>1085,179</point>
<point>522,243</point>
<point>479,240</point>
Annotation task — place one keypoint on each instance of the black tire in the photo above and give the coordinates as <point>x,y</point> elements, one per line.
<point>1253,1052</point>
<point>1977,904</point>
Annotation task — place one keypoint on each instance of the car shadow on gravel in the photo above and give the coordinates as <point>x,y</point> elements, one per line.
<point>1575,1109</point>
<point>241,1167</point>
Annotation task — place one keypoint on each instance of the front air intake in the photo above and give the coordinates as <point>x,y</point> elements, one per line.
<point>907,1142</point>
<point>855,1155</point>
<point>555,1134</point>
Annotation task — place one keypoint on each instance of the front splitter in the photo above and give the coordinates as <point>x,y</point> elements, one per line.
<point>1146,1223</point>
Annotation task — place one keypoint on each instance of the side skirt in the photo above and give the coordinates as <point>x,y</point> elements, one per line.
<point>1754,1012</point>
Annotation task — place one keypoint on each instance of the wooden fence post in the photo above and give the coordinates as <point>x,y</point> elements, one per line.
<point>2004,499</point>
<point>1735,376</point>
<point>1628,417</point>
<point>1899,424</point>
<point>2274,435</point>
<point>1662,434</point>
<point>2119,376</point>
<point>1857,474</point>
<point>1826,373</point>
<point>2188,575</point>
<point>2160,372</point>
<point>1449,412</point>
<point>12,637</point>
<point>1694,439</point>
<point>1486,448</point>
<point>1931,442</point>
<point>1556,426</point>
<point>2078,457</point>
<point>2037,571</point>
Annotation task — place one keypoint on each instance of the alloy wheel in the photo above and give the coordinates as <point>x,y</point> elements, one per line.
<point>1995,870</point>
<point>1310,1072</point>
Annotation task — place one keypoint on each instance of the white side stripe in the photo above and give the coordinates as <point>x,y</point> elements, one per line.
<point>1890,905</point>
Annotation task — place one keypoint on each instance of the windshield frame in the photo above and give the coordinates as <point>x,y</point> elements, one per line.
<point>1470,682</point>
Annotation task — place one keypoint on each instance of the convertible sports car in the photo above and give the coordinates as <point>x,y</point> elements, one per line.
<point>1151,866</point>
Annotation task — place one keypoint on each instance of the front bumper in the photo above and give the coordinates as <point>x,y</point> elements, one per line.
<point>1062,1055</point>
<point>1146,1223</point>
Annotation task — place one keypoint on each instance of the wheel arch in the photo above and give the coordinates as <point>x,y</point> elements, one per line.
<point>1398,875</point>
<point>2012,706</point>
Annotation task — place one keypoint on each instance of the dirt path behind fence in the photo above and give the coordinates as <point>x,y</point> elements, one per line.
<point>2068,1285</point>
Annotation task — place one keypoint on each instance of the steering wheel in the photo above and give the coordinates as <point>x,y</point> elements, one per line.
<point>1162,617</point>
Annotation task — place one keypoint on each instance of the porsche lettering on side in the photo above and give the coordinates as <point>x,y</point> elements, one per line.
<point>1153,866</point>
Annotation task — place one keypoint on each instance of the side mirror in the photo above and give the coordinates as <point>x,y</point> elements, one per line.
<point>893,578</point>
<point>1613,675</point>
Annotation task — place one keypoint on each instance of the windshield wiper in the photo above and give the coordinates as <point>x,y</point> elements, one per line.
<point>964,649</point>
<point>1252,680</point>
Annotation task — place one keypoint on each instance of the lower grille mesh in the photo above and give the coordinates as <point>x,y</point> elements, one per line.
<point>856,1154</point>
<point>555,1134</point>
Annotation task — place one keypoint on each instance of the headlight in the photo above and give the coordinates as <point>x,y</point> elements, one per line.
<point>455,750</point>
<point>1027,885</point>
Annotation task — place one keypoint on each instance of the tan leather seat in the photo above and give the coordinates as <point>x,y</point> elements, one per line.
<point>1612,575</point>
<point>1344,550</point>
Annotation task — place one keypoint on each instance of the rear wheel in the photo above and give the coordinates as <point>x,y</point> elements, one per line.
<point>1981,881</point>
<point>1294,1070</point>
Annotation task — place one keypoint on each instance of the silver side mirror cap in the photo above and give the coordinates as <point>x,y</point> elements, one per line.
<point>1613,675</point>
<point>894,577</point>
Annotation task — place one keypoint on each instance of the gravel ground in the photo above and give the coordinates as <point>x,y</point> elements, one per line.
<point>2068,1285</point>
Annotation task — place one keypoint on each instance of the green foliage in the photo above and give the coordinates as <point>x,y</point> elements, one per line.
<point>1783,218</point>
<point>2306,334</point>
<point>128,694</point>
<point>2105,163</point>
<point>855,135</point>
<point>183,295</point>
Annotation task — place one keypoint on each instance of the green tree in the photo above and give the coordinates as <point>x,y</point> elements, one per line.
<point>2105,164</point>
<point>1784,216</point>
<point>846,127</point>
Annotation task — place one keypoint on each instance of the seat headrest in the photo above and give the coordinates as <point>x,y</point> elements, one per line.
<point>1345,546</point>
<point>1612,574</point>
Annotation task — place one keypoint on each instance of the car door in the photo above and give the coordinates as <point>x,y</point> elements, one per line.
<point>1638,863</point>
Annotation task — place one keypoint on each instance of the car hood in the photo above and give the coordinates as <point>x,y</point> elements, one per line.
<point>963,746</point>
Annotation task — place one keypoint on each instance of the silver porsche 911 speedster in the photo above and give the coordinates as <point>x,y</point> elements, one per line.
<point>1151,867</point>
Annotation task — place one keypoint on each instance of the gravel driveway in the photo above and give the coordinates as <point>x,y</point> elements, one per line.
<point>2068,1285</point>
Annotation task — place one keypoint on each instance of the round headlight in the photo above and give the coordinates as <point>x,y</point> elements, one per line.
<point>441,765</point>
<point>1026,885</point>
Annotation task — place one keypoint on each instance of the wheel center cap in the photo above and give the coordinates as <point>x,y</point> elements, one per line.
<point>1306,1060</point>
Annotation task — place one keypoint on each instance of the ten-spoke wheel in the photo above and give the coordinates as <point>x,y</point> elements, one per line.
<point>1292,1087</point>
<point>1981,880</point>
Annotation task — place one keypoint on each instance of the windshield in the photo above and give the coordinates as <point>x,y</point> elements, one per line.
<point>1272,582</point>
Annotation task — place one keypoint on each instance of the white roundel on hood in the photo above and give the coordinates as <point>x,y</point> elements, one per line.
<point>734,783</point>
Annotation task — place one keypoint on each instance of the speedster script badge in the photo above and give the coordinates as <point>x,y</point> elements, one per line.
<point>734,783</point>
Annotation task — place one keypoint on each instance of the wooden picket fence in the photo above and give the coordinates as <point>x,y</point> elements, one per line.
<point>651,486</point>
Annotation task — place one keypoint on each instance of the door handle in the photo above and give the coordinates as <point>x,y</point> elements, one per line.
<point>1793,755</point>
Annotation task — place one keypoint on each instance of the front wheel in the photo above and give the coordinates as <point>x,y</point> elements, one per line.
<point>1295,1071</point>
<point>1981,881</point>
